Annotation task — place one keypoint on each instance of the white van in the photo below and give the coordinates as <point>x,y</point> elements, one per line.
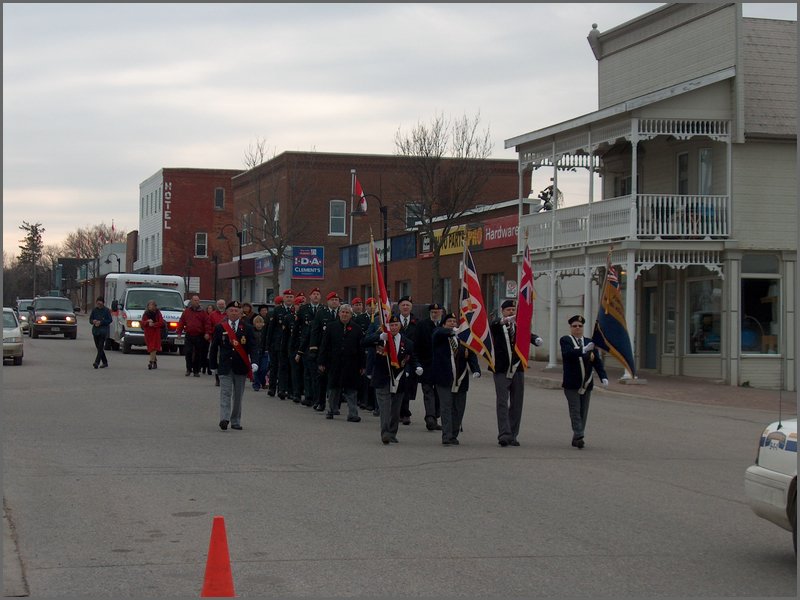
<point>127,294</point>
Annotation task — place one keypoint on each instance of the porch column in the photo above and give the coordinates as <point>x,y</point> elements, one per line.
<point>630,302</point>
<point>553,343</point>
<point>732,267</point>
<point>634,183</point>
<point>587,290</point>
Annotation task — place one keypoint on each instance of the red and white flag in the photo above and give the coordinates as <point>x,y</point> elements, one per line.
<point>383,298</point>
<point>473,326</point>
<point>527,295</point>
<point>362,199</point>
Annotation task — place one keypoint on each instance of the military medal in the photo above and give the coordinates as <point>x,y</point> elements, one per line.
<point>243,340</point>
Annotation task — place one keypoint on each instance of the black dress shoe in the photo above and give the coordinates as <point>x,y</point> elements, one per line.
<point>503,443</point>
<point>216,383</point>
<point>95,365</point>
<point>430,423</point>
<point>376,413</point>
<point>385,439</point>
<point>104,366</point>
<point>319,407</point>
<point>282,395</point>
<point>454,441</point>
<point>328,415</point>
<point>394,440</point>
<point>271,393</point>
<point>197,374</point>
<point>353,419</point>
<point>513,443</point>
<point>187,373</point>
<point>447,442</point>
<point>580,443</point>
<point>236,427</point>
<point>223,424</point>
<point>405,420</point>
<point>437,427</point>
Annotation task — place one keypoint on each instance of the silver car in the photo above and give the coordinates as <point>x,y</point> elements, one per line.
<point>12,337</point>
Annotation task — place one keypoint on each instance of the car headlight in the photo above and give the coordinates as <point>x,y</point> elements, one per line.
<point>22,318</point>
<point>41,319</point>
<point>12,340</point>
<point>70,319</point>
<point>134,324</point>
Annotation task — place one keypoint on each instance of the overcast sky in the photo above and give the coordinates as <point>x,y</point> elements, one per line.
<point>98,97</point>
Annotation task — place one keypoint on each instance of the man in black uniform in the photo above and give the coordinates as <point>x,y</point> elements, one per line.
<point>275,337</point>
<point>408,329</point>
<point>318,326</point>
<point>424,350</point>
<point>302,355</point>
<point>361,319</point>
<point>343,359</point>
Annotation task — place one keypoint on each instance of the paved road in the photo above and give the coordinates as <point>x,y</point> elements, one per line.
<point>112,478</point>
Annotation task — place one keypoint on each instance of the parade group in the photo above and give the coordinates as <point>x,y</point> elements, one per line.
<point>327,355</point>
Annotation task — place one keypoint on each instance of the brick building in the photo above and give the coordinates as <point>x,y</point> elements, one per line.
<point>181,212</point>
<point>302,200</point>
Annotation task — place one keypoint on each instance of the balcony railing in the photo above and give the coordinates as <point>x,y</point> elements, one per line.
<point>643,217</point>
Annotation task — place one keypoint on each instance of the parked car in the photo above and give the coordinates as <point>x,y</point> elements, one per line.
<point>53,316</point>
<point>24,307</point>
<point>12,336</point>
<point>771,484</point>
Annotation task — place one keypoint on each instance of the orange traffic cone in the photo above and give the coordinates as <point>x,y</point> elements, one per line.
<point>218,580</point>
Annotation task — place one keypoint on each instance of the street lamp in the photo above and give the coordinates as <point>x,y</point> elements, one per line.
<point>221,236</point>
<point>385,215</point>
<point>119,262</point>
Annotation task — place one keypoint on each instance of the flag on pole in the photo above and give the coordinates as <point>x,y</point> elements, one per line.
<point>473,327</point>
<point>522,345</point>
<point>610,329</point>
<point>383,298</point>
<point>362,202</point>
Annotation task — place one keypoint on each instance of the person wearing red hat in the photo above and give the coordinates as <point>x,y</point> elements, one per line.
<point>282,346</point>
<point>274,338</point>
<point>291,340</point>
<point>321,320</point>
<point>302,356</point>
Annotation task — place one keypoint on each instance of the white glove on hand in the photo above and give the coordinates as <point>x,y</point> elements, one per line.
<point>384,336</point>
<point>418,371</point>
<point>476,374</point>
<point>455,330</point>
<point>254,366</point>
<point>604,382</point>
<point>538,341</point>
<point>588,347</point>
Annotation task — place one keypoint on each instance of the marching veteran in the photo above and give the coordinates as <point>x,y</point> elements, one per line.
<point>579,358</point>
<point>232,353</point>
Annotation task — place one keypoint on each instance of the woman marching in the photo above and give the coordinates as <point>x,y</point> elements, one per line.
<point>153,326</point>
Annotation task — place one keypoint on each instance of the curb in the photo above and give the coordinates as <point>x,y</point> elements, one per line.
<point>14,584</point>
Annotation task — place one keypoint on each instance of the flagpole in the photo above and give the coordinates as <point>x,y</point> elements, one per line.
<point>352,195</point>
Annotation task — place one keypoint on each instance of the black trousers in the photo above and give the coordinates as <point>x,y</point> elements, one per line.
<point>195,349</point>
<point>99,343</point>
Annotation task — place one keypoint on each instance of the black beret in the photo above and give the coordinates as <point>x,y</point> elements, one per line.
<point>434,306</point>
<point>234,304</point>
<point>394,319</point>
<point>404,299</point>
<point>507,304</point>
<point>450,316</point>
<point>578,318</point>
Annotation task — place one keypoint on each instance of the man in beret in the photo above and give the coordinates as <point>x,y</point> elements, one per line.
<point>342,358</point>
<point>509,381</point>
<point>232,354</point>
<point>579,358</point>
<point>279,382</point>
<point>305,316</point>
<point>321,319</point>
<point>271,333</point>
<point>424,350</point>
<point>389,381</point>
<point>408,327</point>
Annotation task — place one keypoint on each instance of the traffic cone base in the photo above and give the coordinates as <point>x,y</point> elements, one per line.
<point>218,580</point>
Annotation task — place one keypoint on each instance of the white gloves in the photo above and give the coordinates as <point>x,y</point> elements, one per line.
<point>604,382</point>
<point>537,341</point>
<point>455,330</point>
<point>476,374</point>
<point>418,371</point>
<point>588,347</point>
<point>384,336</point>
<point>254,366</point>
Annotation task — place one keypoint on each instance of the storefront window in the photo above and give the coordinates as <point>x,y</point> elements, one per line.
<point>670,313</point>
<point>705,322</point>
<point>760,315</point>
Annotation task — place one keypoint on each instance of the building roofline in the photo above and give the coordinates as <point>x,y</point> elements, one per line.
<point>622,107</point>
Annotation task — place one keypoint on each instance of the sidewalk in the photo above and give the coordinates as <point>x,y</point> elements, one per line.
<point>677,388</point>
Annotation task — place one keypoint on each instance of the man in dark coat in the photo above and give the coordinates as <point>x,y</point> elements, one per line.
<point>342,357</point>
<point>452,364</point>
<point>390,381</point>
<point>318,326</point>
<point>305,317</point>
<point>579,358</point>
<point>408,327</point>
<point>362,320</point>
<point>509,379</point>
<point>231,353</point>
<point>374,325</point>
<point>282,322</point>
<point>424,348</point>
<point>274,330</point>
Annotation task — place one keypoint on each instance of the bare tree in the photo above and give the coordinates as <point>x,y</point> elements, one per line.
<point>448,171</point>
<point>276,197</point>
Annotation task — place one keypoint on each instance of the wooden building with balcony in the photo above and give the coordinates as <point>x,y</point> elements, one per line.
<point>690,165</point>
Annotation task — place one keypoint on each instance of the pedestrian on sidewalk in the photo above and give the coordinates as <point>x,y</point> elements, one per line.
<point>580,359</point>
<point>197,324</point>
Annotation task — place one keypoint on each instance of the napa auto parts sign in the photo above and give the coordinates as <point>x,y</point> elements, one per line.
<point>492,233</point>
<point>308,262</point>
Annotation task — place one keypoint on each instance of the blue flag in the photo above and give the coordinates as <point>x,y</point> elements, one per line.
<point>610,330</point>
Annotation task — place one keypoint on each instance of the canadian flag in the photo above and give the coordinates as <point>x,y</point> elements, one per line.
<point>362,199</point>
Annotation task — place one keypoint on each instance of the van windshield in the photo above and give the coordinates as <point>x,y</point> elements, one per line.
<point>165,299</point>
<point>53,304</point>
